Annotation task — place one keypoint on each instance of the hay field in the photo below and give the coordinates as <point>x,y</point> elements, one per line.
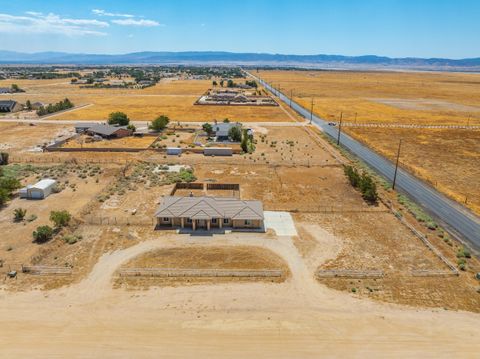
<point>174,98</point>
<point>392,97</point>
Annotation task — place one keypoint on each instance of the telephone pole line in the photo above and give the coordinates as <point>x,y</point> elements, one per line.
<point>311,112</point>
<point>339,128</point>
<point>396,164</point>
<point>291,96</point>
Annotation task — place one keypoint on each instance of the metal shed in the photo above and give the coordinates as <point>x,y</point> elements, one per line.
<point>218,151</point>
<point>174,151</point>
<point>39,190</point>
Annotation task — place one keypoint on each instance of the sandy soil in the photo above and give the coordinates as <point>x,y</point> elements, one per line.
<point>125,142</point>
<point>298,318</point>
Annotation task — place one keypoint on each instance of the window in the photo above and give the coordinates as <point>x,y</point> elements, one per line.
<point>248,222</point>
<point>166,219</point>
<point>226,220</point>
<point>214,221</point>
<point>189,220</point>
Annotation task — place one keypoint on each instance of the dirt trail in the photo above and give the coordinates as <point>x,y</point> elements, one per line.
<point>296,318</point>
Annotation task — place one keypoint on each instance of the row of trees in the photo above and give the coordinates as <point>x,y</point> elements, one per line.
<point>121,119</point>
<point>363,182</point>
<point>8,184</point>
<point>59,106</point>
<point>59,219</point>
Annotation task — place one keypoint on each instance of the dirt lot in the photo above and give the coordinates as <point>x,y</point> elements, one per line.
<point>390,247</point>
<point>125,142</point>
<point>236,257</point>
<point>17,138</point>
<point>172,98</point>
<point>448,159</point>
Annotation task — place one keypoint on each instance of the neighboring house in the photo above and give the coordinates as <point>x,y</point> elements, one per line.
<point>10,106</point>
<point>39,190</point>
<point>221,130</point>
<point>81,127</point>
<point>109,131</point>
<point>210,212</point>
<point>38,105</point>
<point>5,90</point>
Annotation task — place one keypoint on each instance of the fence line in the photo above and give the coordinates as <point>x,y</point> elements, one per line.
<point>46,270</point>
<point>349,273</point>
<point>409,125</point>
<point>198,273</point>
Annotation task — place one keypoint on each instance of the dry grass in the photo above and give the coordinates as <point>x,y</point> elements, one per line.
<point>172,98</point>
<point>125,142</point>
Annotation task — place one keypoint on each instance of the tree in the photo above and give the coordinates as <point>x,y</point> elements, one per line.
<point>60,218</point>
<point>42,234</point>
<point>28,104</point>
<point>207,128</point>
<point>244,143</point>
<point>15,88</point>
<point>222,82</point>
<point>131,127</point>
<point>9,183</point>
<point>4,196</point>
<point>159,123</point>
<point>226,120</point>
<point>214,83</point>
<point>230,83</point>
<point>4,158</point>
<point>118,118</point>
<point>235,134</point>
<point>19,214</point>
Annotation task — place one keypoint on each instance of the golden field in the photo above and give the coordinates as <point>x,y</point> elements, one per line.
<point>449,159</point>
<point>174,98</point>
<point>391,97</point>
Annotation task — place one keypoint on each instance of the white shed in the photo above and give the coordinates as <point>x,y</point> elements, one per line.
<point>174,151</point>
<point>39,190</point>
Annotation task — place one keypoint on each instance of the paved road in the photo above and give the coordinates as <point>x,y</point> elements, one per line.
<point>449,213</point>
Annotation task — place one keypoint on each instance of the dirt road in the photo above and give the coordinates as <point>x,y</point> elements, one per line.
<point>297,318</point>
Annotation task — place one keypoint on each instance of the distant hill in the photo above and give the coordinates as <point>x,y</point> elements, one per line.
<point>252,59</point>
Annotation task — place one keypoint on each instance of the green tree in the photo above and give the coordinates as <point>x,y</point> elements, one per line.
<point>4,158</point>
<point>9,183</point>
<point>222,83</point>
<point>226,120</point>
<point>28,104</point>
<point>214,83</point>
<point>15,88</point>
<point>118,118</point>
<point>131,127</point>
<point>230,83</point>
<point>159,123</point>
<point>60,218</point>
<point>207,128</point>
<point>19,214</point>
<point>4,196</point>
<point>235,134</point>
<point>42,234</point>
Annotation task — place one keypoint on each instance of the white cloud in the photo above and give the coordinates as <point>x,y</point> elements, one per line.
<point>133,22</point>
<point>101,12</point>
<point>36,22</point>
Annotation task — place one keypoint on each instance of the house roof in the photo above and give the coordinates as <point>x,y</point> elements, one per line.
<point>223,128</point>
<point>85,124</point>
<point>210,207</point>
<point>8,103</point>
<point>105,130</point>
<point>43,184</point>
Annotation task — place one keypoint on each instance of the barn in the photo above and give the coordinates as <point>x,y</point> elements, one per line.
<point>39,190</point>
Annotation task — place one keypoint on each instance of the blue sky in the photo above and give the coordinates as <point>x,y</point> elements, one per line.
<point>397,28</point>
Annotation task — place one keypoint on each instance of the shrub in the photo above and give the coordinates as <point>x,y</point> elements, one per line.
<point>60,218</point>
<point>43,234</point>
<point>71,238</point>
<point>464,253</point>
<point>19,214</point>
<point>118,118</point>
<point>235,134</point>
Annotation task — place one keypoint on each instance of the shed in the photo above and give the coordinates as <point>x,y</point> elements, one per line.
<point>218,151</point>
<point>174,151</point>
<point>39,190</point>
<point>10,106</point>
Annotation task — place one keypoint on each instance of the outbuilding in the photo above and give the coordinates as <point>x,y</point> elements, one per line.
<point>174,151</point>
<point>10,106</point>
<point>217,151</point>
<point>39,190</point>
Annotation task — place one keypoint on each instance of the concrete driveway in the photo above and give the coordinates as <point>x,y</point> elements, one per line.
<point>280,222</point>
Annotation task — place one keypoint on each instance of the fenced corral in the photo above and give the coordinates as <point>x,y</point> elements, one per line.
<point>432,273</point>
<point>223,186</point>
<point>205,187</point>
<point>119,221</point>
<point>349,273</point>
<point>325,209</point>
<point>46,270</point>
<point>199,273</point>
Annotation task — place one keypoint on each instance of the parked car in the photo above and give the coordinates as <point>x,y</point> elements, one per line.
<point>332,123</point>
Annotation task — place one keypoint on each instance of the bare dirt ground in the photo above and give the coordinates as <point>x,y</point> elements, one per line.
<point>125,142</point>
<point>298,318</point>
<point>226,257</point>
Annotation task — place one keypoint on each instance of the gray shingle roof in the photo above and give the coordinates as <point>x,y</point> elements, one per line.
<point>210,207</point>
<point>105,130</point>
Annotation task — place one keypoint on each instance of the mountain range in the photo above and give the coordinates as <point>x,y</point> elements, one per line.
<point>247,59</point>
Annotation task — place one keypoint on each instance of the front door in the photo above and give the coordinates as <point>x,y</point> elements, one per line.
<point>201,223</point>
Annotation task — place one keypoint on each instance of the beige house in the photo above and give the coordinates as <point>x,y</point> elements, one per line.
<point>209,212</point>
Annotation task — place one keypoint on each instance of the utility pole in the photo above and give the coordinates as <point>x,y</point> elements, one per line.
<point>396,165</point>
<point>339,128</point>
<point>311,112</point>
<point>291,96</point>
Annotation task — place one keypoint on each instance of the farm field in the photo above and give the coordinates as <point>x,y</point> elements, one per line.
<point>446,158</point>
<point>174,98</point>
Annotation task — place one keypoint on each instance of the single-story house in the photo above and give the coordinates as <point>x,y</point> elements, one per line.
<point>39,190</point>
<point>5,90</point>
<point>209,212</point>
<point>81,127</point>
<point>221,130</point>
<point>10,106</point>
<point>109,131</point>
<point>38,105</point>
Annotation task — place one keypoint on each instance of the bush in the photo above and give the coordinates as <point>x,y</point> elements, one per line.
<point>235,134</point>
<point>159,123</point>
<point>4,158</point>
<point>464,253</point>
<point>71,238</point>
<point>60,218</point>
<point>118,118</point>
<point>43,234</point>
<point>363,182</point>
<point>19,214</point>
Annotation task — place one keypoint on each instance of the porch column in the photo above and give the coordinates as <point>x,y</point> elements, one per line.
<point>208,224</point>
<point>171,221</point>
<point>194,223</point>
<point>182,224</point>
<point>220,222</point>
